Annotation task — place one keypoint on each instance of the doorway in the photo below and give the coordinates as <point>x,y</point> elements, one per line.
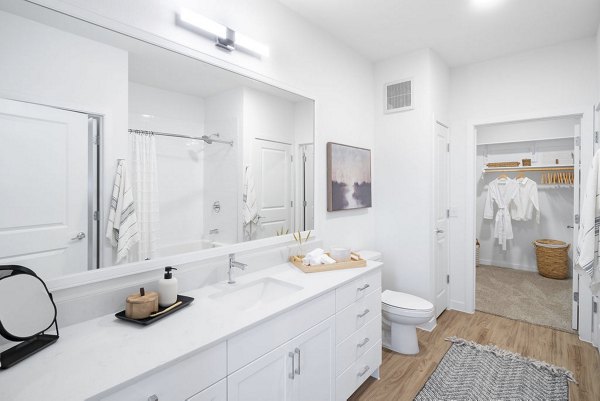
<point>442,214</point>
<point>527,190</point>
<point>48,220</point>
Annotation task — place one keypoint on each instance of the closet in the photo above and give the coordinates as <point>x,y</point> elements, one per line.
<point>532,167</point>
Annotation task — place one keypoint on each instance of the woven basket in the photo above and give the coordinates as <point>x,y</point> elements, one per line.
<point>552,258</point>
<point>503,164</point>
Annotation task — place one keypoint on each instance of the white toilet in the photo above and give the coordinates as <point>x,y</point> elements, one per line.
<point>401,314</point>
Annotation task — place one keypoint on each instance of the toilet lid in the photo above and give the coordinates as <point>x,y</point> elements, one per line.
<point>405,301</point>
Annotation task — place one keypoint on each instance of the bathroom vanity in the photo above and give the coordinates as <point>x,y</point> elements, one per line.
<point>277,334</point>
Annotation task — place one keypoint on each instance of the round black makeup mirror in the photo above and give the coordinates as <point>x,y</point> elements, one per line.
<point>27,311</point>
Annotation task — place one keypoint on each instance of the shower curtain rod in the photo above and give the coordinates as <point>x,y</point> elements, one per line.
<point>204,138</point>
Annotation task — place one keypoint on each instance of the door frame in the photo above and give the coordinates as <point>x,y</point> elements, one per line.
<point>433,216</point>
<point>471,190</point>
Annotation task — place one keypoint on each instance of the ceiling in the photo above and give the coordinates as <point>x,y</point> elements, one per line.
<point>460,31</point>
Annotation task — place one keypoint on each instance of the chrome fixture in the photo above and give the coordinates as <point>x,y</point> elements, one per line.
<point>225,38</point>
<point>234,263</point>
<point>213,231</point>
<point>216,206</point>
<point>207,139</point>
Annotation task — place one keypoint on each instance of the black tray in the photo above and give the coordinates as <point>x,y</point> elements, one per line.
<point>185,301</point>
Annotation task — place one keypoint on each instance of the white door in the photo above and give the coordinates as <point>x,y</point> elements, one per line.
<point>441,208</point>
<point>314,363</point>
<point>44,187</point>
<point>266,379</point>
<point>575,225</point>
<point>272,172</point>
<point>308,187</point>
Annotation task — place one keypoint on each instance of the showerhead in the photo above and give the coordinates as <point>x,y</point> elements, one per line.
<point>206,139</point>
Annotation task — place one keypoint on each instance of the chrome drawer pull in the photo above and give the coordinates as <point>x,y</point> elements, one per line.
<point>363,342</point>
<point>363,314</point>
<point>297,351</point>
<point>365,370</point>
<point>364,287</point>
<point>291,375</point>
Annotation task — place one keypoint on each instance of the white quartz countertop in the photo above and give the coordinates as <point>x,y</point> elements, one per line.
<point>96,355</point>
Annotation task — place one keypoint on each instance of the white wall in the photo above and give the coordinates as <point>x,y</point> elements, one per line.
<point>302,56</point>
<point>56,68</point>
<point>403,193</point>
<point>223,172</point>
<point>544,81</point>
<point>180,162</point>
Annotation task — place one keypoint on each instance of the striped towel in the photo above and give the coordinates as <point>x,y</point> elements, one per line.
<point>122,228</point>
<point>587,244</point>
<point>250,208</point>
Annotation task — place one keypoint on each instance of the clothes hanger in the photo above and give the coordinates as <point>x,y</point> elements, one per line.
<point>520,176</point>
<point>503,177</point>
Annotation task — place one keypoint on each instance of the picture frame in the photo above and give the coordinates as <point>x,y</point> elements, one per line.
<point>348,177</point>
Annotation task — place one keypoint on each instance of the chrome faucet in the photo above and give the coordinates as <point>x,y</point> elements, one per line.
<point>234,263</point>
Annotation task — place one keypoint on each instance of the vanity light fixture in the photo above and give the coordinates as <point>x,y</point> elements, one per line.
<point>226,38</point>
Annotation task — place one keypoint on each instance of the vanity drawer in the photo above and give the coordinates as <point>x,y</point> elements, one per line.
<point>357,289</point>
<point>216,392</point>
<point>357,344</point>
<point>256,342</point>
<point>177,382</point>
<point>355,375</point>
<point>357,315</point>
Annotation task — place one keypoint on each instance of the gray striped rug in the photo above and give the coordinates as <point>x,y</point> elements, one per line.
<point>471,371</point>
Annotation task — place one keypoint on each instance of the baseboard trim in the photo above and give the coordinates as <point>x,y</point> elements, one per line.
<point>508,265</point>
<point>429,326</point>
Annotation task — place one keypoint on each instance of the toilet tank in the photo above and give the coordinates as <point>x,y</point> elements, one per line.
<point>371,255</point>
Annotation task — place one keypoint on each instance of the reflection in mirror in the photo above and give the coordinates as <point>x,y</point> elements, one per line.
<point>122,151</point>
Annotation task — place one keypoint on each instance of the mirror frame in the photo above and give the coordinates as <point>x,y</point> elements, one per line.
<point>129,269</point>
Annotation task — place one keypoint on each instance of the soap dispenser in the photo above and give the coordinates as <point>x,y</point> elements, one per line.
<point>167,288</point>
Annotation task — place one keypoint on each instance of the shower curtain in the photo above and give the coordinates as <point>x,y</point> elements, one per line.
<point>145,184</point>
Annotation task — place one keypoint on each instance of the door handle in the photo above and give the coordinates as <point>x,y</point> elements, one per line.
<point>438,231</point>
<point>571,227</point>
<point>79,236</point>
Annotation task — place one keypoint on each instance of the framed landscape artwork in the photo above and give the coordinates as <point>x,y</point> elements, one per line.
<point>348,177</point>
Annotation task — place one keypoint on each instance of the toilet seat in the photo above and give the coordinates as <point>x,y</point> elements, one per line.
<point>400,303</point>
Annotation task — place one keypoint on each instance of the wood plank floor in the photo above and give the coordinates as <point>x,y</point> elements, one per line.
<point>403,376</point>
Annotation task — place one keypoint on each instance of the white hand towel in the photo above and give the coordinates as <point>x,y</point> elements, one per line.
<point>122,227</point>
<point>588,241</point>
<point>250,208</point>
<point>326,259</point>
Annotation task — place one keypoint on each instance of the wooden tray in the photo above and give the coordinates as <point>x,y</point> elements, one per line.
<point>297,261</point>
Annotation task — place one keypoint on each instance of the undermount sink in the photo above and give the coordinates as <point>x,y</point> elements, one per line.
<point>255,293</point>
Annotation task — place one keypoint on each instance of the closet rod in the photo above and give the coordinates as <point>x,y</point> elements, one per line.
<point>517,169</point>
<point>204,138</point>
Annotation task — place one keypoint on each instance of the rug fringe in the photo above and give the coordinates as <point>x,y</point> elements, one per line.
<point>556,370</point>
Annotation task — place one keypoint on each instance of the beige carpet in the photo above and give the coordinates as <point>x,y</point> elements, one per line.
<point>525,296</point>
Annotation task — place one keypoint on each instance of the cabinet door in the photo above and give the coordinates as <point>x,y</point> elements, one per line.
<point>266,379</point>
<point>314,363</point>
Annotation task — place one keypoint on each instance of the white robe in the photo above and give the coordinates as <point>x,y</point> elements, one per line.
<point>588,240</point>
<point>502,192</point>
<point>526,201</point>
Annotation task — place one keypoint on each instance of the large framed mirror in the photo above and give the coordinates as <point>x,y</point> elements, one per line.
<point>114,150</point>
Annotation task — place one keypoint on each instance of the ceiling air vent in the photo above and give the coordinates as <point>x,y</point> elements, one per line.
<point>398,96</point>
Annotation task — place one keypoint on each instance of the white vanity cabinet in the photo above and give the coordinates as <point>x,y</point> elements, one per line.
<point>186,379</point>
<point>358,333</point>
<point>301,369</point>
